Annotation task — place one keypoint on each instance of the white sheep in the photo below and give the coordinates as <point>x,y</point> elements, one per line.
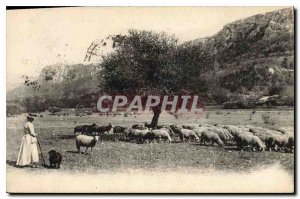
<point>200,130</point>
<point>220,132</point>
<point>162,133</point>
<point>190,126</point>
<point>138,135</point>
<point>189,134</point>
<point>212,137</point>
<point>206,125</point>
<point>86,141</point>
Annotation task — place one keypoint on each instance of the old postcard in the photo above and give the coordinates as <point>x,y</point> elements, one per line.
<point>150,100</point>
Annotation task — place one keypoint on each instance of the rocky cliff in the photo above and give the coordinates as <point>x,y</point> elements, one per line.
<point>250,54</point>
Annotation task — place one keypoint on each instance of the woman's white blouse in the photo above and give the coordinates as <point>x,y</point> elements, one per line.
<point>29,129</point>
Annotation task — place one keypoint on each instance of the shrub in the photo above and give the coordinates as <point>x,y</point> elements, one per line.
<point>220,95</point>
<point>54,109</point>
<point>13,109</point>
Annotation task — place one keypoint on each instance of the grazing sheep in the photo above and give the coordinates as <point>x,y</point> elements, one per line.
<point>138,126</point>
<point>266,135</point>
<point>189,134</point>
<point>149,137</point>
<point>219,125</point>
<point>176,129</point>
<point>245,140</point>
<point>282,130</point>
<point>190,126</point>
<point>86,141</point>
<point>102,129</point>
<point>225,131</point>
<point>228,134</point>
<point>235,131</point>
<point>162,126</point>
<point>212,137</point>
<point>138,135</point>
<point>285,131</point>
<point>200,130</point>
<point>85,129</point>
<point>127,133</point>
<point>260,129</point>
<point>119,130</point>
<point>206,125</point>
<point>267,138</point>
<point>256,130</point>
<point>220,132</point>
<point>80,129</point>
<point>274,132</point>
<point>184,133</point>
<point>284,143</point>
<point>232,129</point>
<point>161,134</point>
<point>168,129</point>
<point>244,128</point>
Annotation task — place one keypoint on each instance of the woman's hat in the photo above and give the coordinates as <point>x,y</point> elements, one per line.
<point>30,116</point>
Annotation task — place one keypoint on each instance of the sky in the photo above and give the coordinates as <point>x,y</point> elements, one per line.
<point>40,37</point>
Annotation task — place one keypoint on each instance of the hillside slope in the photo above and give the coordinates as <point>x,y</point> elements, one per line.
<point>251,52</point>
<point>59,85</point>
<point>254,55</point>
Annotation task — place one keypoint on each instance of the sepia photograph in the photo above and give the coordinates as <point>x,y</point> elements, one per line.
<point>150,100</point>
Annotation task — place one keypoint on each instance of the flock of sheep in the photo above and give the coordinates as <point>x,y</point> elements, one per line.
<point>243,136</point>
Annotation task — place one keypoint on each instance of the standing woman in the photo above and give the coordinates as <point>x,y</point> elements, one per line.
<point>28,154</point>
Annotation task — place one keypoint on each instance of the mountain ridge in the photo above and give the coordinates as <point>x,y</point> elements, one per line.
<point>248,54</point>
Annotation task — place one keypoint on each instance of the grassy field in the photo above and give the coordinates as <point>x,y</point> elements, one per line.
<point>56,132</point>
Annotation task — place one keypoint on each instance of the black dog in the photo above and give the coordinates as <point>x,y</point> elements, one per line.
<point>55,159</point>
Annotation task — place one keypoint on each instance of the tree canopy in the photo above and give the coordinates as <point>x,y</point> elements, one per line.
<point>142,62</point>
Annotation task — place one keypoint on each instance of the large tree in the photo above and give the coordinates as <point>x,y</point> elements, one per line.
<point>142,63</point>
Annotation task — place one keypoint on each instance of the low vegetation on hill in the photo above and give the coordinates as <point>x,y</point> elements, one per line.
<point>249,57</point>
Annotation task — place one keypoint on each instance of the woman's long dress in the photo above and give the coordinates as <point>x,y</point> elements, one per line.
<point>28,153</point>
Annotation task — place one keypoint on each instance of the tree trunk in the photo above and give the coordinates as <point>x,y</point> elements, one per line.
<point>156,111</point>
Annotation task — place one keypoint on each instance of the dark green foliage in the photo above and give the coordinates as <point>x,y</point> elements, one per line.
<point>142,62</point>
<point>13,109</point>
<point>54,109</point>
<point>253,56</point>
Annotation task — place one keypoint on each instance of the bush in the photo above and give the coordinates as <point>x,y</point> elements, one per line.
<point>13,109</point>
<point>220,95</point>
<point>277,88</point>
<point>281,101</point>
<point>54,109</point>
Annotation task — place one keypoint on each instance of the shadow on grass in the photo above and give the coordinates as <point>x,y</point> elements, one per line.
<point>197,144</point>
<point>13,163</point>
<point>81,152</point>
<point>72,151</point>
<point>177,142</point>
<point>231,148</point>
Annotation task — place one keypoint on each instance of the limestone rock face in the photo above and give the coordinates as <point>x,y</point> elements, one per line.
<point>251,53</point>
<point>248,48</point>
